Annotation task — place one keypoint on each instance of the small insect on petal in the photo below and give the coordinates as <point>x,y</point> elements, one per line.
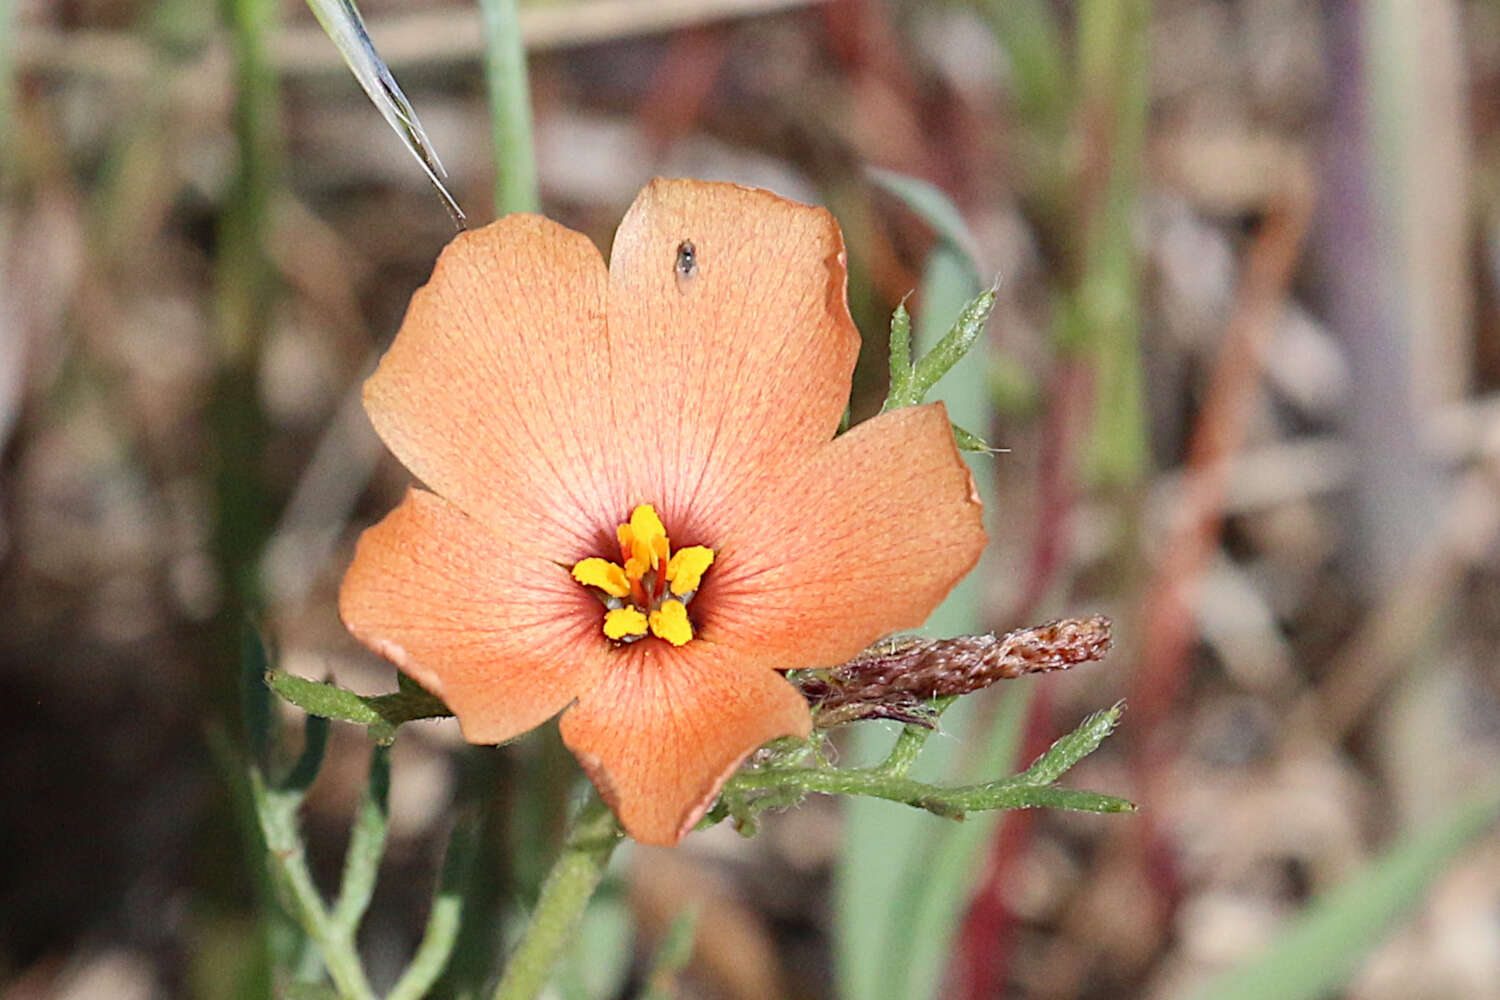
<point>687,264</point>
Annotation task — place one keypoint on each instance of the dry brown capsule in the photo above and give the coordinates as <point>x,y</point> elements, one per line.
<point>894,678</point>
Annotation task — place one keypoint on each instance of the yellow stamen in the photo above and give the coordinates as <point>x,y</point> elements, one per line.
<point>670,622</point>
<point>636,567</point>
<point>638,585</point>
<point>601,573</point>
<point>648,535</point>
<point>622,623</point>
<point>686,568</point>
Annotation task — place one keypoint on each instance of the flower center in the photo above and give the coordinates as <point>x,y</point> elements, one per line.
<point>650,592</point>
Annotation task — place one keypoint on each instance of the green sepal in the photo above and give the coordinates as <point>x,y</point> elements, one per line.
<point>379,714</point>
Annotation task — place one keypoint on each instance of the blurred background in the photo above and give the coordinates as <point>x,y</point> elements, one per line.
<point>1244,364</point>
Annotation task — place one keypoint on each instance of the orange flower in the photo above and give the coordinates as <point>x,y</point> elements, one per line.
<point>640,513</point>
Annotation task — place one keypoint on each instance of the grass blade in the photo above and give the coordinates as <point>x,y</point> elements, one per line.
<point>510,108</point>
<point>1317,953</point>
<point>888,849</point>
<point>343,24</point>
<point>936,209</point>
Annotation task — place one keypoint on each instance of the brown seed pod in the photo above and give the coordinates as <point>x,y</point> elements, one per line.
<point>895,677</point>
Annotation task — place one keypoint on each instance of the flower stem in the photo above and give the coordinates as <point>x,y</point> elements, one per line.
<point>510,108</point>
<point>565,894</point>
<point>277,811</point>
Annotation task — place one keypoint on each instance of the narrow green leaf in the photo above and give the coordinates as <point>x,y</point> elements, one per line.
<point>1072,748</point>
<point>936,209</point>
<point>969,441</point>
<point>323,700</point>
<point>1316,954</point>
<point>900,354</point>
<point>381,713</point>
<point>343,24</point>
<point>446,914</point>
<point>672,956</point>
<point>883,842</point>
<point>955,344</point>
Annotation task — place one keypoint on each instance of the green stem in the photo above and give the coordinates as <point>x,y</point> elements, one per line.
<point>911,741</point>
<point>1008,793</point>
<point>366,844</point>
<point>444,918</point>
<point>510,108</point>
<point>277,810</point>
<point>560,907</point>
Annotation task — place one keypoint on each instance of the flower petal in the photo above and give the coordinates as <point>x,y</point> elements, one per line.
<point>494,390</point>
<point>865,540</point>
<point>504,638</point>
<point>662,728</point>
<point>731,338</point>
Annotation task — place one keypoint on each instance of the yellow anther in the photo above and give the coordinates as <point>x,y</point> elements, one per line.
<point>636,567</point>
<point>648,535</point>
<point>686,568</point>
<point>647,573</point>
<point>622,623</point>
<point>669,622</point>
<point>601,573</point>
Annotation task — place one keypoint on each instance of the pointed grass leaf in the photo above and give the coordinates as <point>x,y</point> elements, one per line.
<point>343,24</point>
<point>1316,953</point>
<point>936,209</point>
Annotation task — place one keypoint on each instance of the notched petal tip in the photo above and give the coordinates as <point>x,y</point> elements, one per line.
<point>661,742</point>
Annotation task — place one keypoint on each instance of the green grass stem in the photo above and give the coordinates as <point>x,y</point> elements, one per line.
<point>510,108</point>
